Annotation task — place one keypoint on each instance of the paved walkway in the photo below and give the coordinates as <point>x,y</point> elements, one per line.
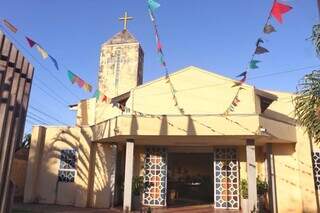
<point>40,208</point>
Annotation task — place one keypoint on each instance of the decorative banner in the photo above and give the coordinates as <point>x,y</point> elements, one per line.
<point>54,62</point>
<point>242,74</point>
<point>97,94</point>
<point>80,82</point>
<point>153,5</point>
<point>259,41</point>
<point>31,42</point>
<point>268,28</point>
<point>279,9</point>
<point>71,76</point>
<point>42,52</point>
<point>10,26</point>
<point>261,50</point>
<point>239,83</point>
<point>87,87</point>
<point>104,98</point>
<point>253,64</point>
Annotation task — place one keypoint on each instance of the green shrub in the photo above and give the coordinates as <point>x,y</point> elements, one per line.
<point>244,188</point>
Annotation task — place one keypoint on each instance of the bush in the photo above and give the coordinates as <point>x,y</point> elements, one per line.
<point>137,185</point>
<point>262,186</point>
<point>244,188</point>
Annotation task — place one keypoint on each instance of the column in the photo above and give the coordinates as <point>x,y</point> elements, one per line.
<point>271,179</point>
<point>251,173</point>
<point>128,173</point>
<point>114,150</point>
<point>34,163</point>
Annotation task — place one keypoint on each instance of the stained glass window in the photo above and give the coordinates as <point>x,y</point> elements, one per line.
<point>316,168</point>
<point>67,170</point>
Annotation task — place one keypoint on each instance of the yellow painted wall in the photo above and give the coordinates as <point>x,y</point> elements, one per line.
<point>104,168</point>
<point>47,188</point>
<point>293,166</point>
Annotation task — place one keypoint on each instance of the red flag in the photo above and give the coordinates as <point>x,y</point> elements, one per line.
<point>279,9</point>
<point>31,42</point>
<point>105,98</point>
<point>159,46</point>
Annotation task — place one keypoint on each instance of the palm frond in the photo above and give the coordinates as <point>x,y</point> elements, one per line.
<point>307,104</point>
<point>316,38</point>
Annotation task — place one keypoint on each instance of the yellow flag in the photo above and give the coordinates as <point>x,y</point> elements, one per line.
<point>42,52</point>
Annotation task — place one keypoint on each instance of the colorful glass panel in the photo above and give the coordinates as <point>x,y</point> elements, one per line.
<point>155,177</point>
<point>226,178</point>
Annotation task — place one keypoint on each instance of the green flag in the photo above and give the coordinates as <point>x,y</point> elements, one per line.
<point>253,64</point>
<point>153,5</point>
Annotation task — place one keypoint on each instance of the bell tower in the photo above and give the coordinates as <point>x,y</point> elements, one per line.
<point>121,63</point>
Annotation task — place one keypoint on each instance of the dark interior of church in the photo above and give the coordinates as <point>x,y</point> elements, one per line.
<point>190,179</point>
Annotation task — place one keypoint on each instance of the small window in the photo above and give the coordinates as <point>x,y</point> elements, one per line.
<point>316,168</point>
<point>67,170</point>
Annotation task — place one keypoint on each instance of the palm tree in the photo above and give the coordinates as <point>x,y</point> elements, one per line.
<point>307,104</point>
<point>25,143</point>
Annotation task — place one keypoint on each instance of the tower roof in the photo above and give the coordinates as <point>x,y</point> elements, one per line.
<point>121,38</point>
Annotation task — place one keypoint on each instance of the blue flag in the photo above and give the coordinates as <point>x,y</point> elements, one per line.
<point>54,62</point>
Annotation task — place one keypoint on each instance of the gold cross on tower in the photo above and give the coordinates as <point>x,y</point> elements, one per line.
<point>125,20</point>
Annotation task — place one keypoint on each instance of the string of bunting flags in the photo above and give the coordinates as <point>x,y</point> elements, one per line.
<point>74,79</point>
<point>152,6</point>
<point>277,11</point>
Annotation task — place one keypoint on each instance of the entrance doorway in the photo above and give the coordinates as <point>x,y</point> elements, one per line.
<point>190,179</point>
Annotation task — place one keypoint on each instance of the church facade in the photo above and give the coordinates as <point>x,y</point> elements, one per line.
<point>136,133</point>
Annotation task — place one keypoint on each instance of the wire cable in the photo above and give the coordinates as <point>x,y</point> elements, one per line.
<point>49,116</point>
<point>36,60</point>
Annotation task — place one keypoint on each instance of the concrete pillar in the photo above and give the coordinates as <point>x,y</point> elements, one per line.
<point>128,173</point>
<point>114,150</point>
<point>271,179</point>
<point>251,172</point>
<point>34,162</point>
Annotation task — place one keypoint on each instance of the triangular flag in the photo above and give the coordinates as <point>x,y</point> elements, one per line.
<point>97,94</point>
<point>71,76</point>
<point>10,26</point>
<point>163,63</point>
<point>253,64</point>
<point>105,98</point>
<point>258,42</point>
<point>42,52</point>
<point>159,46</point>
<point>153,5</point>
<point>279,9</point>
<point>261,50</point>
<point>238,83</point>
<point>87,87</point>
<point>80,82</point>
<point>234,103</point>
<point>242,74</point>
<point>30,42</point>
<point>268,28</point>
<point>54,62</point>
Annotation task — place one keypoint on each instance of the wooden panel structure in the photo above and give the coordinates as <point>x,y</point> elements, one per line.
<point>16,75</point>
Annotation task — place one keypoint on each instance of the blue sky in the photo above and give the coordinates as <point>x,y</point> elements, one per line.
<point>218,36</point>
